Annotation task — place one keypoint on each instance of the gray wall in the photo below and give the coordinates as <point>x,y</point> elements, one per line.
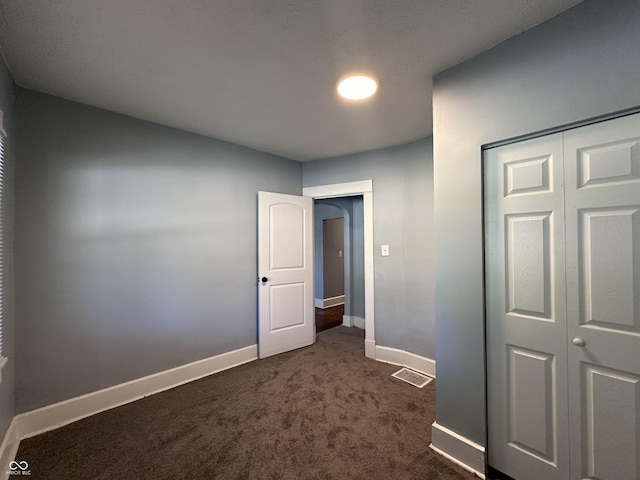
<point>581,64</point>
<point>403,215</point>
<point>7,386</point>
<point>136,247</point>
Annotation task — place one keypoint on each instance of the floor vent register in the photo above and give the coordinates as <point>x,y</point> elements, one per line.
<point>414,378</point>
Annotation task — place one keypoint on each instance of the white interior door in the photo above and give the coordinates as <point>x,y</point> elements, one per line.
<point>526,327</point>
<point>602,165</point>
<point>286,315</point>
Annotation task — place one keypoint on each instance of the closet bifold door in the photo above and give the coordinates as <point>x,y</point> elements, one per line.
<point>525,310</point>
<point>602,210</point>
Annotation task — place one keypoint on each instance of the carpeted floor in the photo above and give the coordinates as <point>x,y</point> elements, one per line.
<point>321,412</point>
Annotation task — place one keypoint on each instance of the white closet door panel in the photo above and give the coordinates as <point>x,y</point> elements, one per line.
<point>526,328</point>
<point>602,196</point>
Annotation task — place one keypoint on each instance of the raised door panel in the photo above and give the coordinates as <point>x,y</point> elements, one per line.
<point>609,163</point>
<point>607,268</point>
<point>531,404</point>
<point>286,306</point>
<point>287,240</point>
<point>611,416</point>
<point>529,265</point>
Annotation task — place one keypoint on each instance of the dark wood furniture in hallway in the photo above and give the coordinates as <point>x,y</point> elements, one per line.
<point>330,317</point>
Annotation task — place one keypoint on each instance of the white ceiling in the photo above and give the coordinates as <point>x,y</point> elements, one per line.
<point>259,73</point>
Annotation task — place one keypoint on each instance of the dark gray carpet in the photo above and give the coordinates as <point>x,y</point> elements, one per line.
<point>322,412</point>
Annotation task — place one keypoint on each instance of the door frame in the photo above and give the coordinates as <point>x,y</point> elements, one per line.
<point>364,188</point>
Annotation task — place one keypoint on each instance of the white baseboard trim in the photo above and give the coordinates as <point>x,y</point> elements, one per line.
<point>353,321</point>
<point>53,416</point>
<point>406,359</point>
<point>460,450</point>
<point>8,450</point>
<point>370,349</point>
<point>329,302</point>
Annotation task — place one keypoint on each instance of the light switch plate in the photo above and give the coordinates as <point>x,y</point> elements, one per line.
<point>385,250</point>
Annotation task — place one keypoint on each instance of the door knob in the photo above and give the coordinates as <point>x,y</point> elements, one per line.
<point>579,342</point>
<point>264,279</point>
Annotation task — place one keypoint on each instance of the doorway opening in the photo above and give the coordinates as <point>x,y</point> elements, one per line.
<point>363,192</point>
<point>339,272</point>
<point>331,263</point>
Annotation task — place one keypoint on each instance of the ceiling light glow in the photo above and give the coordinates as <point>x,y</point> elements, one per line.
<point>357,87</point>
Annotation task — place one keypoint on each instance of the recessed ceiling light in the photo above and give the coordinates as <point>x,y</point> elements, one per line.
<point>357,87</point>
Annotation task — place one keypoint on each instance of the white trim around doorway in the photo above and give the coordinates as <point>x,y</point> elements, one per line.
<point>364,188</point>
